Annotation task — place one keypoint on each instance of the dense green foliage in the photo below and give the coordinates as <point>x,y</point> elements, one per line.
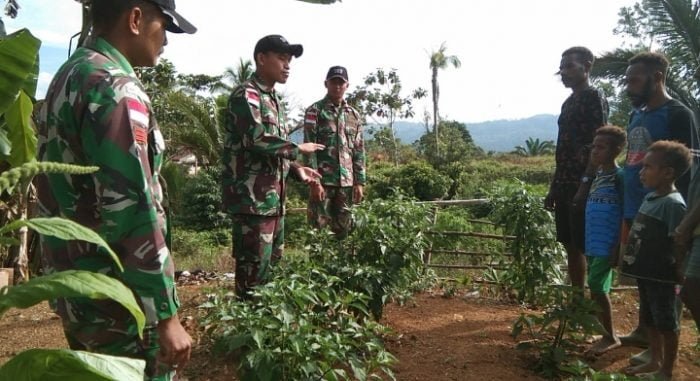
<point>417,179</point>
<point>536,255</point>
<point>201,203</point>
<point>314,319</point>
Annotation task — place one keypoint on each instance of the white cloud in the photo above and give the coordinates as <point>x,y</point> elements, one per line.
<point>43,84</point>
<point>509,49</point>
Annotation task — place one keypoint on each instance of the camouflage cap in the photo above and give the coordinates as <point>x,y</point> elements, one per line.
<point>178,24</point>
<point>278,44</point>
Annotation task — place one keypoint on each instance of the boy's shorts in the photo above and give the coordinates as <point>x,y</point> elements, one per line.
<point>600,274</point>
<point>657,305</point>
<point>692,268</point>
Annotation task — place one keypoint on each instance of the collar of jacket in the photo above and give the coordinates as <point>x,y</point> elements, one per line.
<point>328,102</point>
<point>263,87</point>
<point>103,47</point>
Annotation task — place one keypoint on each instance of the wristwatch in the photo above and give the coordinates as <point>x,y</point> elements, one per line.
<point>585,179</point>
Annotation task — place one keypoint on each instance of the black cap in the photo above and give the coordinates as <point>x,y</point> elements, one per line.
<point>278,44</point>
<point>337,72</point>
<point>178,24</point>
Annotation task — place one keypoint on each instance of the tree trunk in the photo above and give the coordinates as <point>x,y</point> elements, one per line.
<point>393,138</point>
<point>21,261</point>
<point>436,116</point>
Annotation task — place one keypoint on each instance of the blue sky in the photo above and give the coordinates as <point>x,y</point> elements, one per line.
<point>510,49</point>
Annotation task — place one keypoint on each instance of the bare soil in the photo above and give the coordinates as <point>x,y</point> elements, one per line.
<point>435,338</point>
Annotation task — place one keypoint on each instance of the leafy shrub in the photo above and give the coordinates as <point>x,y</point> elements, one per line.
<point>302,326</point>
<point>313,320</point>
<point>417,179</point>
<point>175,179</point>
<point>201,202</point>
<point>568,317</point>
<point>208,250</point>
<point>536,253</point>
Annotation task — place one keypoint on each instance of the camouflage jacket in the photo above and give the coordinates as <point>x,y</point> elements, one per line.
<point>257,152</point>
<point>339,128</point>
<point>97,113</point>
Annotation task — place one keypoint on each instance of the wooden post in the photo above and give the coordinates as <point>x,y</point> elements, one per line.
<point>6,277</point>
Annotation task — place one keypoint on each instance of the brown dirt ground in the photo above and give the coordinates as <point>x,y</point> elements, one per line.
<point>435,338</point>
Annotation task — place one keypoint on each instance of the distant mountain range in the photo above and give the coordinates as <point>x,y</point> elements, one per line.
<point>495,135</point>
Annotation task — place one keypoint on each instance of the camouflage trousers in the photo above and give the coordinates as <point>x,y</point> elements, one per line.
<point>258,242</point>
<point>88,328</point>
<point>333,211</point>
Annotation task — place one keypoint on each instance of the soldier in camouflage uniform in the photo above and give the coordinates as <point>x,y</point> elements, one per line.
<point>335,124</point>
<point>97,113</point>
<point>257,158</point>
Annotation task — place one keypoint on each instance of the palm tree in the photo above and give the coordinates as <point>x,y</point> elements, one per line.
<point>673,26</point>
<point>235,76</point>
<point>439,60</point>
<point>194,127</point>
<point>535,147</point>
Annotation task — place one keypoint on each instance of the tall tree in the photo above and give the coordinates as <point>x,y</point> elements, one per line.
<point>380,98</point>
<point>233,77</point>
<point>439,60</point>
<point>673,27</point>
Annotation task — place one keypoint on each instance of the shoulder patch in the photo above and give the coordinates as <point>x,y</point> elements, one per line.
<point>138,114</point>
<point>311,115</point>
<point>253,97</point>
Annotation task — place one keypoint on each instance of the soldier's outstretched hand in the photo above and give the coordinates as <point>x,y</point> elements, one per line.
<point>309,148</point>
<point>309,175</point>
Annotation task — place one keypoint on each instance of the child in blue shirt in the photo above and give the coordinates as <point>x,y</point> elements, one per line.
<point>603,225</point>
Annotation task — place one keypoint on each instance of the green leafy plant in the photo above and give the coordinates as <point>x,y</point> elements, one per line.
<point>55,364</point>
<point>301,326</point>
<point>314,319</point>
<point>63,364</point>
<point>568,317</point>
<point>201,202</point>
<point>536,253</point>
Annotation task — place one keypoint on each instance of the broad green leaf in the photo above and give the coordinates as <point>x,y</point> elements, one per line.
<point>20,131</point>
<point>71,284</point>
<point>18,55</point>
<point>32,79</point>
<point>64,229</point>
<point>64,364</point>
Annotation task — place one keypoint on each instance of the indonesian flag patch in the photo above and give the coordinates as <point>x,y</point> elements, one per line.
<point>252,97</point>
<point>310,118</point>
<point>138,114</point>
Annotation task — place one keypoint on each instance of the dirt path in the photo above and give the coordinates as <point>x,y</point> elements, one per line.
<point>435,339</point>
